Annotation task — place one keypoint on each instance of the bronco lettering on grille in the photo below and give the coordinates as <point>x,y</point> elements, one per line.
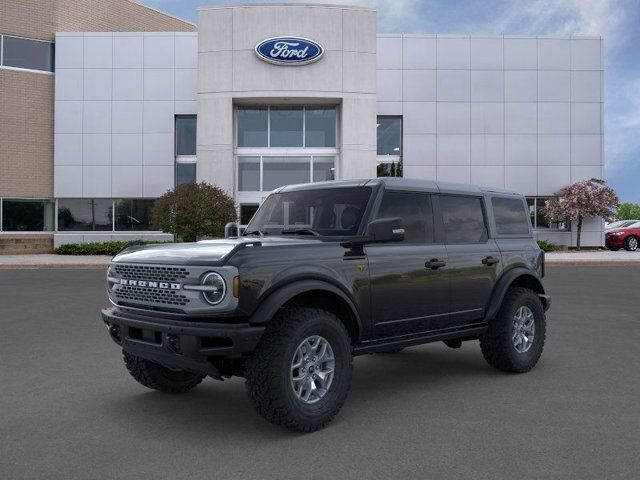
<point>149,284</point>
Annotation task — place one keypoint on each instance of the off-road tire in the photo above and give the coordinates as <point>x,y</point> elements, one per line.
<point>628,241</point>
<point>497,344</point>
<point>268,374</point>
<point>157,377</point>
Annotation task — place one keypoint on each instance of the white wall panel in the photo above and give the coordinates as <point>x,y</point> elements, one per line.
<point>419,149</point>
<point>454,173</point>
<point>454,117</point>
<point>585,118</point>
<point>521,178</point>
<point>159,51</point>
<point>453,52</point>
<point>67,181</point>
<point>127,52</point>
<point>69,51</point>
<point>520,53</point>
<point>586,149</point>
<point>419,85</point>
<point>128,84</point>
<point>454,85</point>
<point>585,54</point>
<point>418,52</point>
<point>389,84</point>
<point>521,117</point>
<point>553,178</point>
<point>487,150</point>
<point>487,53</point>
<point>585,86</point>
<point>487,117</point>
<point>554,117</point>
<point>554,54</point>
<point>419,117</point>
<point>489,176</point>
<point>96,117</point>
<point>159,84</point>
<point>554,86</point>
<point>585,172</point>
<point>158,117</point>
<point>157,180</point>
<point>389,53</point>
<point>158,149</point>
<point>68,149</point>
<point>454,149</point>
<point>97,84</point>
<point>487,86</point>
<point>126,181</point>
<point>98,52</point>
<point>127,117</point>
<point>96,149</point>
<point>69,84</point>
<point>68,117</point>
<point>554,149</point>
<point>520,86</point>
<point>126,149</point>
<point>520,149</point>
<point>96,181</point>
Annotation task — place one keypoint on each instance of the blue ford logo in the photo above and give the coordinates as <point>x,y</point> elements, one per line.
<point>289,50</point>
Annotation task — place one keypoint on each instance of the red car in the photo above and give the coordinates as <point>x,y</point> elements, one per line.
<point>627,237</point>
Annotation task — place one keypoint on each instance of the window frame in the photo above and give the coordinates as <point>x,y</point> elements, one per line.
<point>21,69</point>
<point>535,217</point>
<point>396,191</point>
<point>53,201</point>
<point>303,108</point>
<point>483,208</point>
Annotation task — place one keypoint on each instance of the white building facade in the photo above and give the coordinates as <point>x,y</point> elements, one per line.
<point>524,113</point>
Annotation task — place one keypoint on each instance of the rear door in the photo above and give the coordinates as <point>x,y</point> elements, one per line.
<point>408,295</point>
<point>474,258</point>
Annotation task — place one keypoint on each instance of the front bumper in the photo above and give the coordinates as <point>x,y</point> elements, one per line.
<point>614,241</point>
<point>179,344</point>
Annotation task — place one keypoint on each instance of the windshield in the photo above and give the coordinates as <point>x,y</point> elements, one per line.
<point>322,211</point>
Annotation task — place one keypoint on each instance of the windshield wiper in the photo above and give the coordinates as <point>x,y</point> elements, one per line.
<point>300,231</point>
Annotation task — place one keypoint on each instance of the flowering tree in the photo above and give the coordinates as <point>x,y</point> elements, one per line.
<point>584,198</point>
<point>193,210</point>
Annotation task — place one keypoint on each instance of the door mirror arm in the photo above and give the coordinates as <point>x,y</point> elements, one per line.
<point>380,230</point>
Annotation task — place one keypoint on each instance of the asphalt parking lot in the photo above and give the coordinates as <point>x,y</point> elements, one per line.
<point>68,408</point>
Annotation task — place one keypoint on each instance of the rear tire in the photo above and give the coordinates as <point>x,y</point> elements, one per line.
<point>272,376</point>
<point>631,243</point>
<point>157,377</point>
<point>507,344</point>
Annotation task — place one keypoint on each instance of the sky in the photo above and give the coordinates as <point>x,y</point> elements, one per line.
<point>618,21</point>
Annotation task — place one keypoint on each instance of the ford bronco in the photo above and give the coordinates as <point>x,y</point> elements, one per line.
<point>324,272</point>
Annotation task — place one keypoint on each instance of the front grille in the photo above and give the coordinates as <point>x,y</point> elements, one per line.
<point>152,273</point>
<point>150,295</point>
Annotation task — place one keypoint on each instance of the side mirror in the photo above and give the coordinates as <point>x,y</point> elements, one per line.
<point>231,230</point>
<point>385,230</point>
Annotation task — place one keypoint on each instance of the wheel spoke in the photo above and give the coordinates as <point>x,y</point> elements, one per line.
<point>312,369</point>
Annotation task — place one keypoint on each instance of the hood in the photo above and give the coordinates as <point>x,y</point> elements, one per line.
<point>205,252</point>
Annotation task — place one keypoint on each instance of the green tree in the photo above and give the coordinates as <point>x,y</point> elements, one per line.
<point>628,211</point>
<point>193,210</point>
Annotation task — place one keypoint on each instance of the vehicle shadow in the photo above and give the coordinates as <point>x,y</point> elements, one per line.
<point>222,409</point>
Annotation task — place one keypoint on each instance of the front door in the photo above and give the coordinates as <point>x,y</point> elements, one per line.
<point>409,284</point>
<point>474,259</point>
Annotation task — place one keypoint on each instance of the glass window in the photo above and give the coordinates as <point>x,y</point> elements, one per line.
<point>253,125</point>
<point>414,209</point>
<point>510,216</point>
<point>185,172</point>
<point>389,132</point>
<point>248,174</point>
<point>246,213</point>
<point>286,127</point>
<point>20,215</point>
<point>327,211</point>
<point>319,127</point>
<point>25,53</point>
<point>538,218</point>
<point>84,214</point>
<point>186,127</point>
<point>133,215</point>
<point>463,219</point>
<point>324,169</point>
<point>279,171</point>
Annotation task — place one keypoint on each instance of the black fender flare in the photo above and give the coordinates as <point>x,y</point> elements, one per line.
<point>281,295</point>
<point>503,284</point>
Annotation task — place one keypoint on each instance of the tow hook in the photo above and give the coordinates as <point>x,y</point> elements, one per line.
<point>114,331</point>
<point>173,343</point>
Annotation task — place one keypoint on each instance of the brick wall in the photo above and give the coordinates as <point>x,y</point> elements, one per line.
<point>26,99</point>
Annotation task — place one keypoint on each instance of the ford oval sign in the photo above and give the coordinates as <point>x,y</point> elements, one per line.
<point>289,51</point>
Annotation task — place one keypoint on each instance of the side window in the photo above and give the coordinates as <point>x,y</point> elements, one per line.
<point>463,219</point>
<point>511,217</point>
<point>415,211</point>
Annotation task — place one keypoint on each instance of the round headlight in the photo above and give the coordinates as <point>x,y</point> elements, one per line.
<point>216,288</point>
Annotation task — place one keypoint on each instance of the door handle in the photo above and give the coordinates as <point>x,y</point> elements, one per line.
<point>434,264</point>
<point>488,261</point>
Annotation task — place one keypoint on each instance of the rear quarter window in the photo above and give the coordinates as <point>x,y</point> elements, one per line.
<point>510,215</point>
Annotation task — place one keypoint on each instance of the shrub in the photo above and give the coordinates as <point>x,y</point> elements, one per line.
<point>93,248</point>
<point>547,246</point>
<point>193,210</point>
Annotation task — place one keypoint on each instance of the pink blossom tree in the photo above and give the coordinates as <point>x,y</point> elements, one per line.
<point>584,198</point>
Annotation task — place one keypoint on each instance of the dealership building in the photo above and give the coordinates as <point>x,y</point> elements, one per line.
<point>104,110</point>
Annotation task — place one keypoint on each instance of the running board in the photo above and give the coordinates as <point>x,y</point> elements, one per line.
<point>417,339</point>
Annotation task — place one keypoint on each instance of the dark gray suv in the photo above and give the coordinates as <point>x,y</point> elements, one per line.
<point>324,272</point>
